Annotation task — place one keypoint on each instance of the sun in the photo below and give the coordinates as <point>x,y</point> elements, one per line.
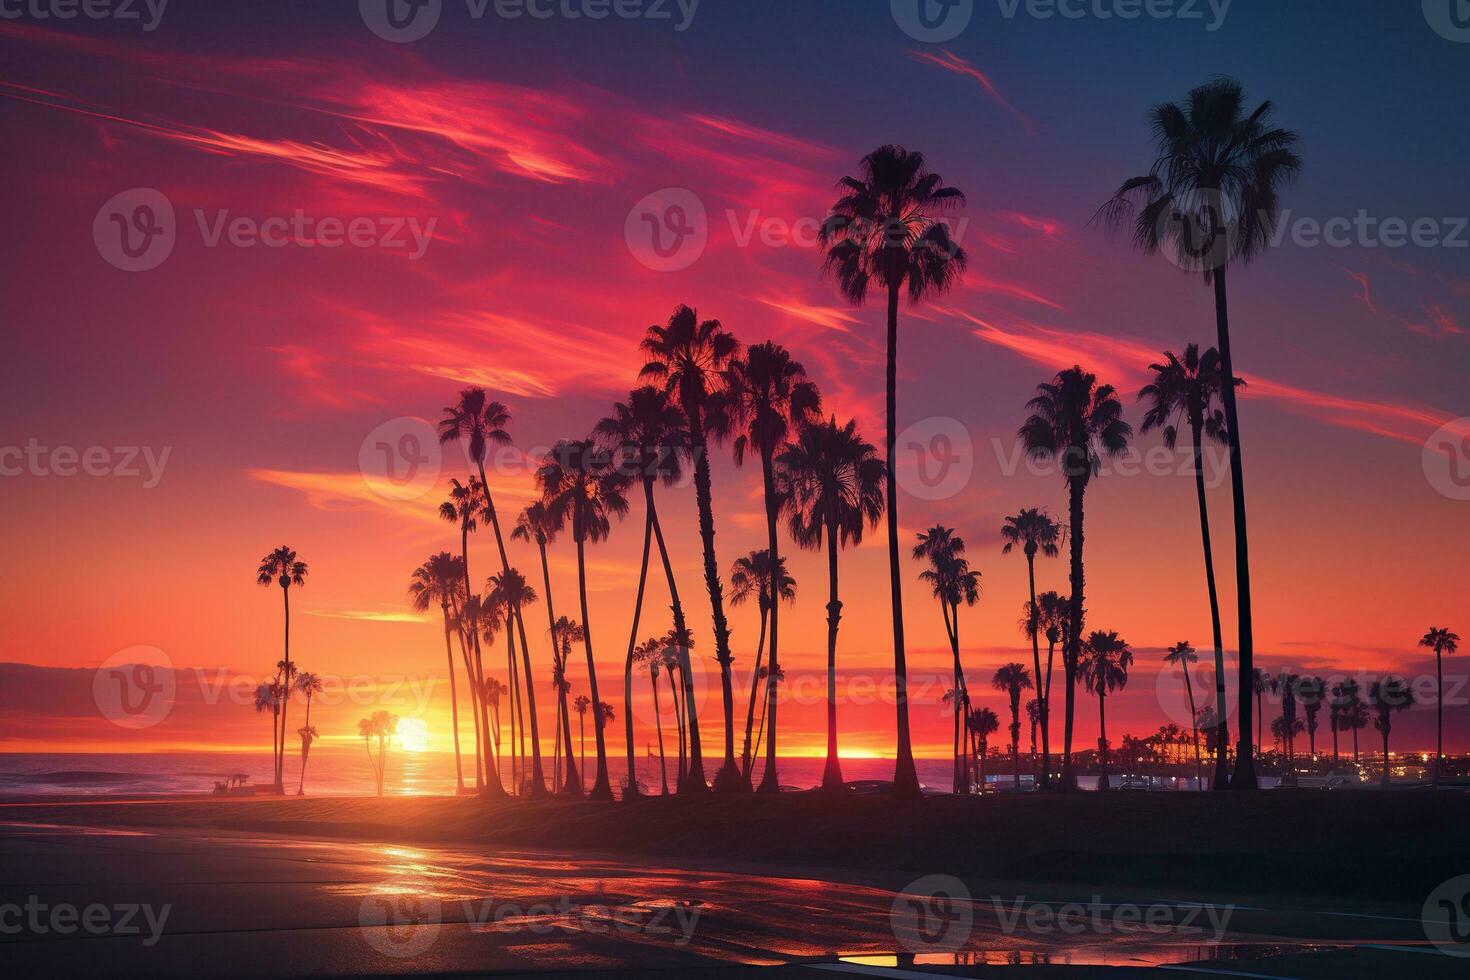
<point>413,735</point>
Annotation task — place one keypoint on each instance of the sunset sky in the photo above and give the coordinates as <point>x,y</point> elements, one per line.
<point>524,145</point>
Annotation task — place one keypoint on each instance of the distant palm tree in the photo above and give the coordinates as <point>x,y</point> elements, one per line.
<point>672,665</point>
<point>752,575</point>
<point>489,618</point>
<point>1311,692</point>
<point>1073,421</point>
<point>310,685</point>
<point>982,723</point>
<point>1387,696</point>
<point>689,357</point>
<point>1285,684</point>
<point>1187,387</point>
<point>1183,656</point>
<point>1105,670</point>
<point>510,591</point>
<point>1260,683</point>
<point>648,654</point>
<point>439,579</point>
<point>648,434</point>
<point>953,583</point>
<point>1053,616</point>
<point>281,567</point>
<point>268,698</point>
<point>1033,715</point>
<point>1352,713</point>
<point>581,487</point>
<point>382,726</point>
<point>768,396</point>
<point>581,705</point>
<point>1213,197</point>
<point>1013,679</point>
<point>308,734</point>
<point>565,632</point>
<point>885,228</point>
<point>830,484</point>
<point>1035,531</point>
<point>464,504</point>
<point>1441,641</point>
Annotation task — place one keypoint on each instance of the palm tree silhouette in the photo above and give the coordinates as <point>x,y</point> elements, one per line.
<point>491,618</point>
<point>953,582</point>
<point>752,575</point>
<point>649,655</point>
<point>1260,683</point>
<point>1186,387</point>
<point>1285,684</point>
<point>982,723</point>
<point>886,226</point>
<point>310,685</point>
<point>689,356</point>
<point>581,705</point>
<point>510,591</point>
<point>1441,641</point>
<point>1013,679</point>
<point>1104,670</point>
<point>1183,656</point>
<point>1033,715</point>
<point>1311,692</point>
<point>437,579</point>
<point>1073,420</point>
<point>768,396</point>
<point>1035,531</point>
<point>464,503</point>
<point>1053,617</point>
<point>830,485</point>
<point>281,567</point>
<point>1213,197</point>
<point>580,486</point>
<point>771,678</point>
<point>268,698</point>
<point>648,434</point>
<point>564,633</point>
<point>1387,696</point>
<point>382,726</point>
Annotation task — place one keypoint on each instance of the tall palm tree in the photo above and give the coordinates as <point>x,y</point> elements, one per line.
<point>768,396</point>
<point>1387,696</point>
<point>886,227</point>
<point>953,582</point>
<point>1213,196</point>
<point>510,591</point>
<point>830,484</point>
<point>1035,531</point>
<point>439,579</point>
<point>310,685</point>
<point>1442,641</point>
<point>647,432</point>
<point>1012,678</point>
<point>1073,421</point>
<point>1183,656</point>
<point>752,574</point>
<point>282,567</point>
<point>582,487</point>
<point>581,705</point>
<point>1105,670</point>
<point>981,724</point>
<point>1187,388</point>
<point>689,357</point>
<point>464,505</point>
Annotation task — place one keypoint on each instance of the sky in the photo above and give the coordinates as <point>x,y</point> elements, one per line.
<point>229,392</point>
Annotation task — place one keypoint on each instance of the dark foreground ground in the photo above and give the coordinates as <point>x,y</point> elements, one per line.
<point>1277,885</point>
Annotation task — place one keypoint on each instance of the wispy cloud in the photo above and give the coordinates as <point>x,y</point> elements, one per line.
<point>952,62</point>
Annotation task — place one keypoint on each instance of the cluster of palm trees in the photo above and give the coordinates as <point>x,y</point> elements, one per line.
<point>282,567</point>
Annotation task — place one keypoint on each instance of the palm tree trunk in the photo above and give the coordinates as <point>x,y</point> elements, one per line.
<point>1074,639</point>
<point>306,746</point>
<point>694,781</point>
<point>1041,705</point>
<point>285,694</point>
<point>832,776</point>
<point>1222,774</point>
<point>746,756</point>
<point>1199,767</point>
<point>582,744</point>
<point>905,776</point>
<point>1102,737</point>
<point>1016,736</point>
<point>1385,758</point>
<point>601,786</point>
<point>961,768</point>
<point>571,786</point>
<point>453,702</point>
<point>505,570</point>
<point>538,778</point>
<point>658,721</point>
<point>1438,714</point>
<point>1244,777</point>
<point>631,792</point>
<point>571,782</point>
<point>1356,757</point>
<point>1044,709</point>
<point>770,782</point>
<point>1333,721</point>
<point>679,727</point>
<point>492,785</point>
<point>680,627</point>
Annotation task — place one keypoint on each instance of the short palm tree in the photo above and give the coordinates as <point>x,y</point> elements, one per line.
<point>511,592</point>
<point>1105,670</point>
<point>1187,388</point>
<point>1387,696</point>
<point>1311,692</point>
<point>533,524</point>
<point>1035,531</point>
<point>1074,420</point>
<point>581,705</point>
<point>688,357</point>
<point>649,656</point>
<point>885,230</point>
<point>981,724</point>
<point>383,725</point>
<point>1213,197</point>
<point>565,632</point>
<point>282,567</point>
<point>268,698</point>
<point>310,685</point>
<point>1260,684</point>
<point>1183,656</point>
<point>1053,615</point>
<point>953,583</point>
<point>1013,678</point>
<point>581,487</point>
<point>1442,641</point>
<point>439,580</point>
<point>752,575</point>
<point>830,485</point>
